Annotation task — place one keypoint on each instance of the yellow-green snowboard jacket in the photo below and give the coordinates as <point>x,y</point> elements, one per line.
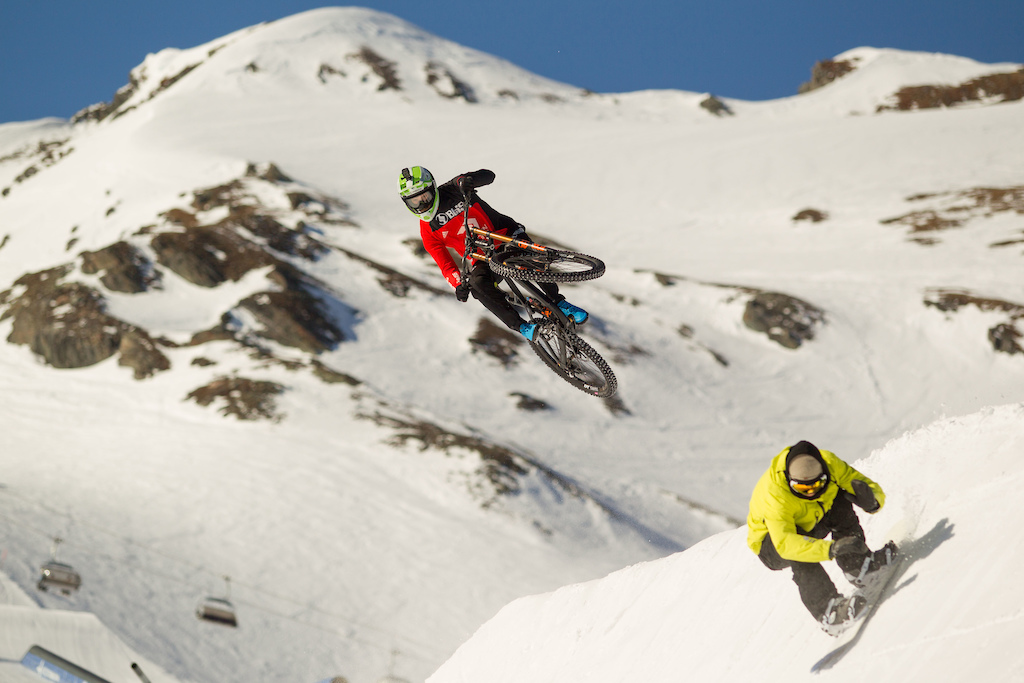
<point>776,510</point>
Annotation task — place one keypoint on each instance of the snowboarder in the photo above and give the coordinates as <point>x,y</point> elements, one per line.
<point>805,495</point>
<point>441,213</point>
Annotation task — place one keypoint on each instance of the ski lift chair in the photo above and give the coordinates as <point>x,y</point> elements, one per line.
<point>218,610</point>
<point>59,576</point>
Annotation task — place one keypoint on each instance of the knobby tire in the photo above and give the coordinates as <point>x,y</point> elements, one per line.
<point>585,368</point>
<point>548,266</point>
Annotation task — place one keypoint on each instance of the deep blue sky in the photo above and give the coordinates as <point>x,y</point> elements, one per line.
<point>58,56</point>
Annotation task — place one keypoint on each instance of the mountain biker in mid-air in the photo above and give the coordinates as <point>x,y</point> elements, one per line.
<point>441,210</point>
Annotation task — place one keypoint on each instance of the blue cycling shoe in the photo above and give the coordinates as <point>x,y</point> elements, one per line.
<point>578,315</point>
<point>528,330</point>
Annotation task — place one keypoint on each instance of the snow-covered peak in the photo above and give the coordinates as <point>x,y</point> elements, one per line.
<point>908,68</point>
<point>865,80</point>
<point>332,51</point>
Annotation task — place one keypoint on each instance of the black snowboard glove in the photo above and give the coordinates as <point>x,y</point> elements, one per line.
<point>862,496</point>
<point>847,545</point>
<point>462,292</point>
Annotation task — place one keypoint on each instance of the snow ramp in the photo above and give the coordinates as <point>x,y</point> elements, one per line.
<point>39,644</point>
<point>714,613</point>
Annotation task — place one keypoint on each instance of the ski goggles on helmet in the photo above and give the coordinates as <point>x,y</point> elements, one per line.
<point>420,202</point>
<point>809,487</point>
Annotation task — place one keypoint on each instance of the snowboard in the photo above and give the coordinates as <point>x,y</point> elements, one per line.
<point>874,592</point>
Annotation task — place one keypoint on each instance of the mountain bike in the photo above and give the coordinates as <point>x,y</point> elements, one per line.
<point>519,265</point>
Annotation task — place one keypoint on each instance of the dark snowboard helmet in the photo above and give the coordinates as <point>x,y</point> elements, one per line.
<point>806,471</point>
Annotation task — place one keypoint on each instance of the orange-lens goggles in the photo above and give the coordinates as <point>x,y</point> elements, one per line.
<point>809,487</point>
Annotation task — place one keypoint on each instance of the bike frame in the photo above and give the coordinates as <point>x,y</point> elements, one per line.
<point>480,244</point>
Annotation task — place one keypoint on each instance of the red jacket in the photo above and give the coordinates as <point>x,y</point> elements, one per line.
<point>447,229</point>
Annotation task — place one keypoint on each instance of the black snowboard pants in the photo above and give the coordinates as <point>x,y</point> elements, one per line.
<point>815,585</point>
<point>483,283</point>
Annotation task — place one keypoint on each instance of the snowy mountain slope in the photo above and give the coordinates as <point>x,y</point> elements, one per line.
<point>713,613</point>
<point>398,462</point>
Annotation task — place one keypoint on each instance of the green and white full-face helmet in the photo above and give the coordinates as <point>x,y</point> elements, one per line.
<point>418,191</point>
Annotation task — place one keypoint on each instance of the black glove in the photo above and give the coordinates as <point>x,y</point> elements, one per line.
<point>462,292</point>
<point>862,496</point>
<point>847,545</point>
<point>465,183</point>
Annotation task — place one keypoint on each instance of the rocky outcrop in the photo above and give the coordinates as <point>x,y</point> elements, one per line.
<point>826,71</point>
<point>125,268</point>
<point>1005,337</point>
<point>115,108</point>
<point>810,215</point>
<point>447,85</point>
<point>496,341</point>
<point>294,318</point>
<point>245,399</point>
<point>62,316</point>
<point>946,210</point>
<point>384,69</point>
<point>209,255</point>
<point>993,88</point>
<point>715,106</point>
<point>66,324</point>
<point>785,319</point>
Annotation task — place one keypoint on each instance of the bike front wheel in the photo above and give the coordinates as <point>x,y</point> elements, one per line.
<point>550,265</point>
<point>574,360</point>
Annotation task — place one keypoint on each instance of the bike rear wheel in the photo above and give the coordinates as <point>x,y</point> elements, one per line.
<point>550,265</point>
<point>574,360</point>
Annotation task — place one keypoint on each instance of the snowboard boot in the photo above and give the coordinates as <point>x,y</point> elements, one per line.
<point>873,563</point>
<point>578,315</point>
<point>841,612</point>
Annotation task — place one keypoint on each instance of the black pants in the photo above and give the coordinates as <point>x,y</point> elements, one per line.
<point>483,283</point>
<point>815,585</point>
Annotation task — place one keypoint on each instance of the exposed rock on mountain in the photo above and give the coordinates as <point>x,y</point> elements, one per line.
<point>243,398</point>
<point>826,71</point>
<point>66,323</point>
<point>125,268</point>
<point>1005,336</point>
<point>811,215</point>
<point>991,89</point>
<point>954,209</point>
<point>43,154</point>
<point>785,319</point>
<point>498,341</point>
<point>716,106</point>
